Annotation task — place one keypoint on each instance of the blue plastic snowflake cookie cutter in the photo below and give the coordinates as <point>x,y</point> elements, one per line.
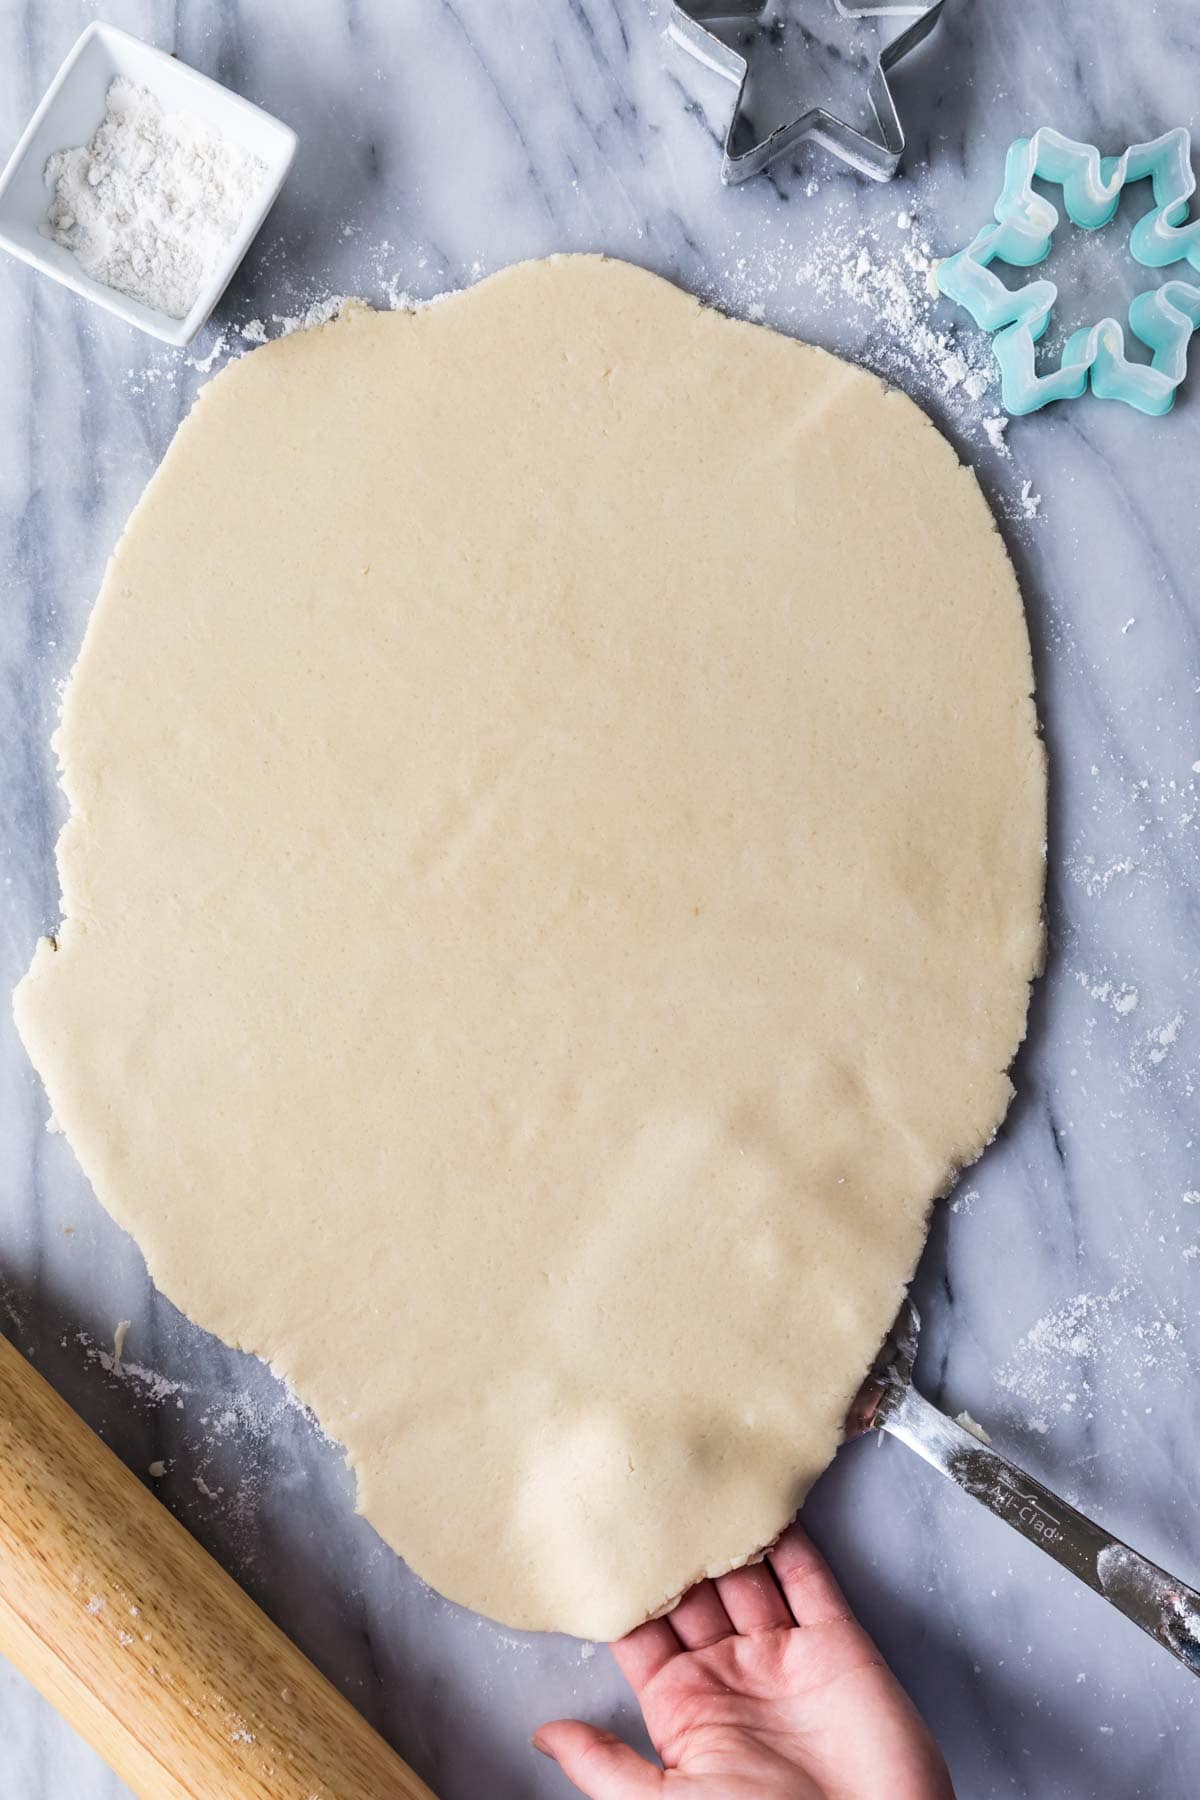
<point>1163,318</point>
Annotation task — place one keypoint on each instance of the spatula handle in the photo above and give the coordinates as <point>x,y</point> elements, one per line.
<point>144,1644</point>
<point>1166,1609</point>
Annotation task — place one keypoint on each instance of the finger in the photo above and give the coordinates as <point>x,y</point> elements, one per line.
<point>645,1651</point>
<point>752,1598</point>
<point>700,1619</point>
<point>808,1585</point>
<point>599,1764</point>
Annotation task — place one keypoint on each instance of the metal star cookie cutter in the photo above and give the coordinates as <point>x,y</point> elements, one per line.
<point>878,158</point>
<point>1163,318</point>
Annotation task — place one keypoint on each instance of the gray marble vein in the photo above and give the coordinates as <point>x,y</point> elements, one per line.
<point>441,139</point>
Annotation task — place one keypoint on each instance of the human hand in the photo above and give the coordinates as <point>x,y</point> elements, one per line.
<point>759,1686</point>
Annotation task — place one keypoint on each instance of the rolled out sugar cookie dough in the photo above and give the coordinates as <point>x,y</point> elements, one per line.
<point>553,877</point>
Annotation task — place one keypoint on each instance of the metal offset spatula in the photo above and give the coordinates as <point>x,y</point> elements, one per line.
<point>1166,1609</point>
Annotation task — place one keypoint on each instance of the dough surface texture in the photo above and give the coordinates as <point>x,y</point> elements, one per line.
<point>553,876</point>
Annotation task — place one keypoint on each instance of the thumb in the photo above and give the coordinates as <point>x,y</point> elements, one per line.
<point>599,1764</point>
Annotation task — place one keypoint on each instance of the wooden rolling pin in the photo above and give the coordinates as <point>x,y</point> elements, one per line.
<point>145,1644</point>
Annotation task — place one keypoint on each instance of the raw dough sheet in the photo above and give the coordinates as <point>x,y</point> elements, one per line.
<point>553,877</point>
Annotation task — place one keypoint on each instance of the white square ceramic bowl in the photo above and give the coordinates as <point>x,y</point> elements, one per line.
<point>70,113</point>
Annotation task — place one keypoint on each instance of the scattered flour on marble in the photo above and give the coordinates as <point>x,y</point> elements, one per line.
<point>1148,826</point>
<point>1163,1039</point>
<point>507,1642</point>
<point>1120,996</point>
<point>1153,1051</point>
<point>880,280</point>
<point>240,1442</point>
<point>319,312</point>
<point>1087,1342</point>
<point>994,428</point>
<point>227,1445</point>
<point>142,380</point>
<point>12,1305</point>
<point>250,1417</point>
<point>205,363</point>
<point>152,1386</point>
<point>1093,879</point>
<point>889,284</point>
<point>882,284</point>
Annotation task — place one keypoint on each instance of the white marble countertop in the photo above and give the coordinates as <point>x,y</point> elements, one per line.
<point>440,139</point>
